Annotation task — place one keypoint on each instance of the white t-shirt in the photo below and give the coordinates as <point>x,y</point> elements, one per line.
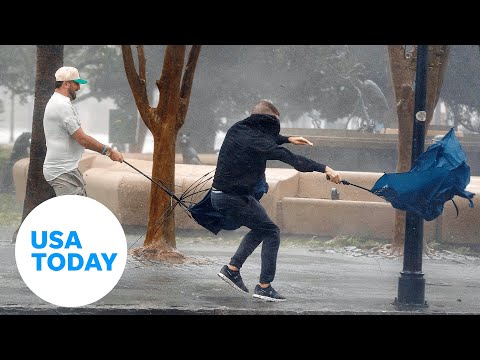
<point>60,121</point>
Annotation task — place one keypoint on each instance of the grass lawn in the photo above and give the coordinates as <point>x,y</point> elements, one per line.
<point>10,211</point>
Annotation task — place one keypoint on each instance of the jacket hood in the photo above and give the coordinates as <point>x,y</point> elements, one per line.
<point>268,124</point>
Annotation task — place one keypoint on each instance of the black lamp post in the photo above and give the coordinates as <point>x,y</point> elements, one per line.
<point>411,284</point>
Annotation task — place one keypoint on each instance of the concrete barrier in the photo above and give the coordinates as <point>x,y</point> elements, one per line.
<point>300,203</point>
<point>206,159</point>
<point>357,212</point>
<point>464,228</point>
<point>324,217</point>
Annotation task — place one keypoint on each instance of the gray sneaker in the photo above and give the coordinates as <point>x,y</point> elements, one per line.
<point>233,278</point>
<point>267,294</point>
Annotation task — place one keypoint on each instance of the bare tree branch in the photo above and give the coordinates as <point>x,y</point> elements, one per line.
<point>139,89</point>
<point>142,64</point>
<point>187,82</point>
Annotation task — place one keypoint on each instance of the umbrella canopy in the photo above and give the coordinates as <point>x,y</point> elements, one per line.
<point>437,175</point>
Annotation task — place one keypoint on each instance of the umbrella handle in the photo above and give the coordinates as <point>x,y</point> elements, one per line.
<point>344,182</point>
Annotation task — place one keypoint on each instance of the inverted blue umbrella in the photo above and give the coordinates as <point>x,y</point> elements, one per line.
<point>437,175</point>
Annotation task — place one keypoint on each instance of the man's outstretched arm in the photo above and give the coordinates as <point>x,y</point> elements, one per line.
<point>91,143</point>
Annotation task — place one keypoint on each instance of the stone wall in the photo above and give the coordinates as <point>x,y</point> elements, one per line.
<point>300,203</point>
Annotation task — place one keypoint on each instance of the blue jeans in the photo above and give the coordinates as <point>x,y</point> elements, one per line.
<point>245,210</point>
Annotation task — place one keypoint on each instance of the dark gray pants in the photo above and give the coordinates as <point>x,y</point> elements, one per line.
<point>245,210</point>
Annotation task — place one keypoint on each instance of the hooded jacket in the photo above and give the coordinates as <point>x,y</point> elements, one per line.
<point>243,156</point>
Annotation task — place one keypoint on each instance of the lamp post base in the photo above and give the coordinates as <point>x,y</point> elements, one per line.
<point>411,291</point>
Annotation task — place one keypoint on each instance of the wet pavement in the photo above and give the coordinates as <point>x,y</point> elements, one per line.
<point>315,280</point>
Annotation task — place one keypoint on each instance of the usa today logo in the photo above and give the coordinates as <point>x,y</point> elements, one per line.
<point>71,251</point>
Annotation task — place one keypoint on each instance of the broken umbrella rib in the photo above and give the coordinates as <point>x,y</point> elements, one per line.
<point>190,192</point>
<point>156,183</point>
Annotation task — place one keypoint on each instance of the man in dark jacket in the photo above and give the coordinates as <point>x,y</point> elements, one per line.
<point>240,169</point>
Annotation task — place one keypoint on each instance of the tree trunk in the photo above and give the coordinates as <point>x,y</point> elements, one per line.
<point>160,241</point>
<point>405,109</point>
<point>164,121</point>
<point>49,59</point>
<point>403,70</point>
<point>437,65</point>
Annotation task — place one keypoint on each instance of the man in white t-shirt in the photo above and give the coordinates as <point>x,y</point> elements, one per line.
<point>65,138</point>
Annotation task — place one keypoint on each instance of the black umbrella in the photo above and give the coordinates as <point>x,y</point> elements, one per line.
<point>185,200</point>
<point>202,211</point>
